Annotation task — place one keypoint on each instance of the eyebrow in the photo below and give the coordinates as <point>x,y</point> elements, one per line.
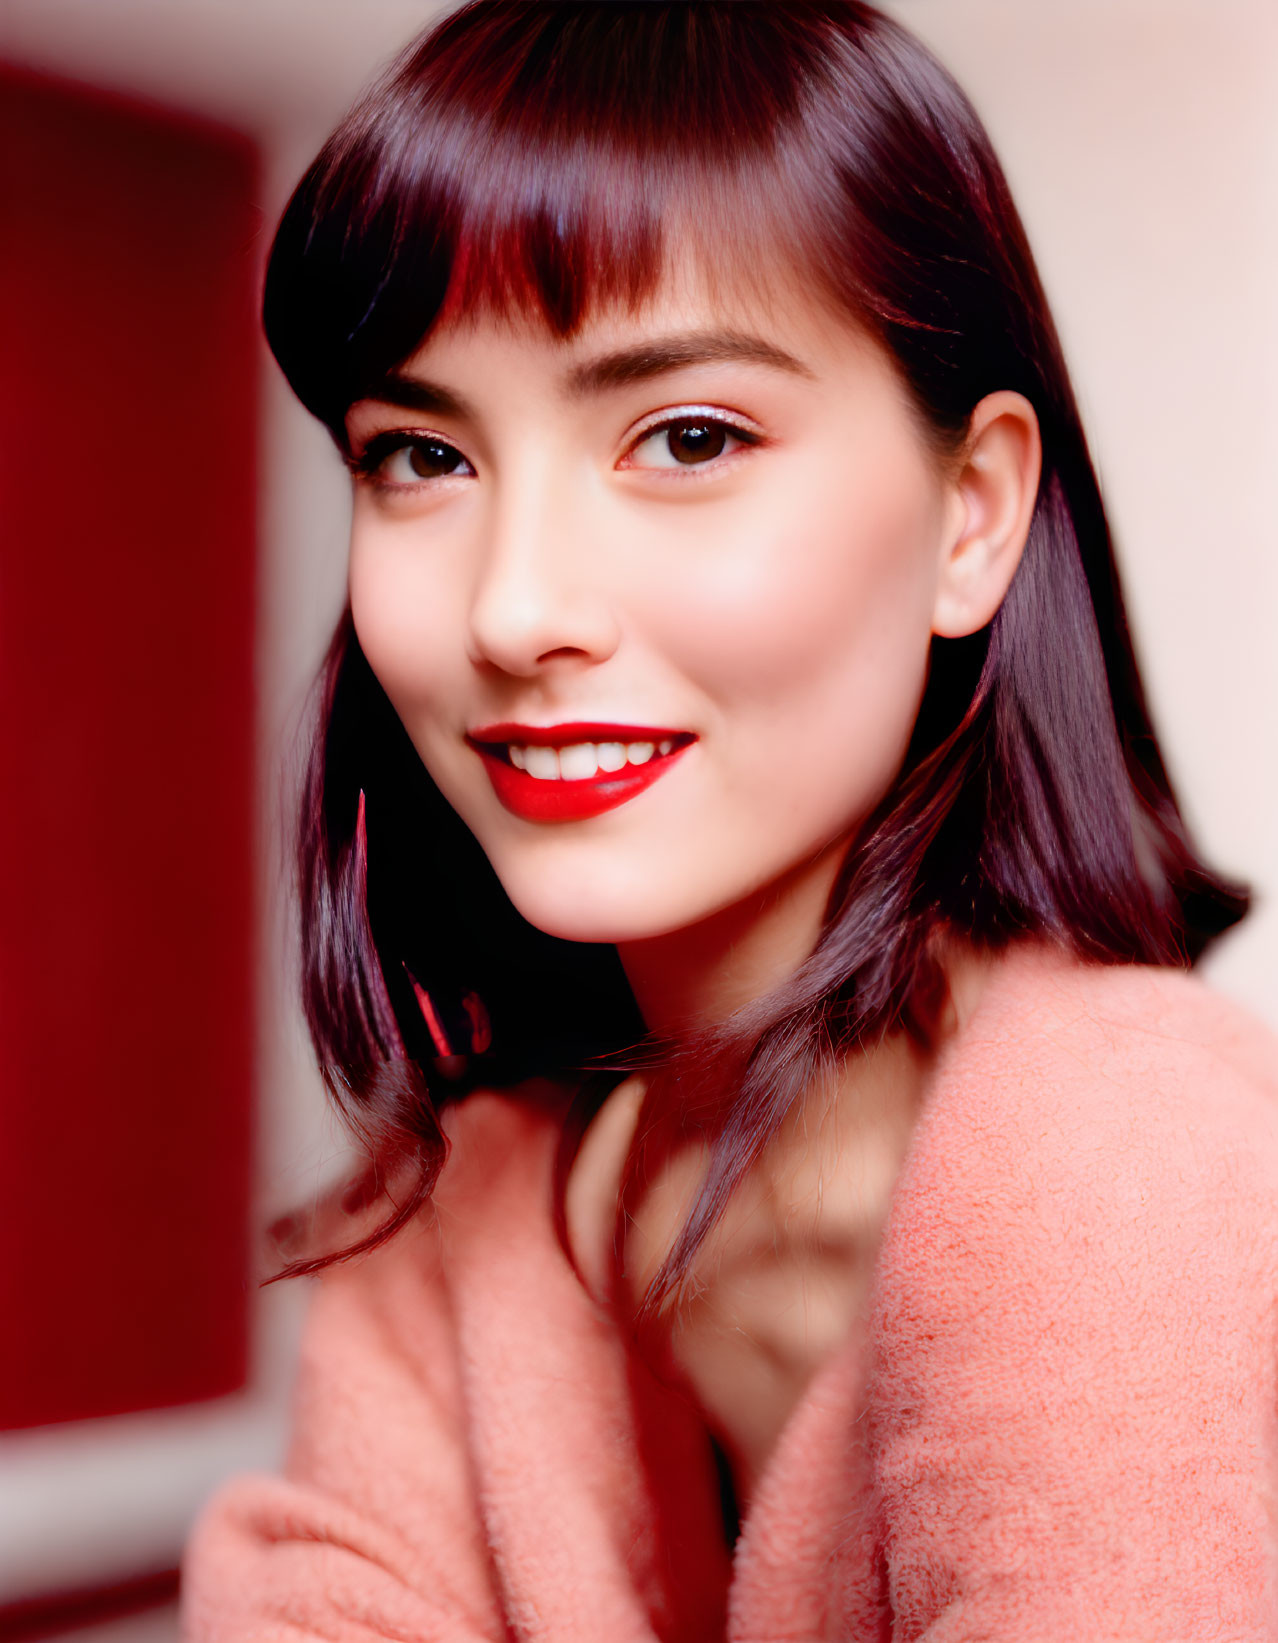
<point>615,370</point>
<point>411,393</point>
<point>661,354</point>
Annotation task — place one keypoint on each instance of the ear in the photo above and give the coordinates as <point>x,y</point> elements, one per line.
<point>995,488</point>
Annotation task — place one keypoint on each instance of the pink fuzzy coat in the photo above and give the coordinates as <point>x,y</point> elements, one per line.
<point>1060,1424</point>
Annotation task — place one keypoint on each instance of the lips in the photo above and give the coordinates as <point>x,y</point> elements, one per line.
<point>570,772</point>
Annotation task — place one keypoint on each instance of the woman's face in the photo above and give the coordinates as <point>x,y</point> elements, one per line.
<point>653,603</point>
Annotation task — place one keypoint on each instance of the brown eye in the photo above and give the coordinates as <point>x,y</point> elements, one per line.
<point>432,459</point>
<point>696,441</point>
<point>398,459</point>
<point>688,442</point>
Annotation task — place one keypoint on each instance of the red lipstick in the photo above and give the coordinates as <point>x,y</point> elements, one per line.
<point>546,799</point>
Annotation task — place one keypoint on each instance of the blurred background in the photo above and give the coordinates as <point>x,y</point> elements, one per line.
<point>171,564</point>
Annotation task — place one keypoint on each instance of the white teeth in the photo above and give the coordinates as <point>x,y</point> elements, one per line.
<point>583,760</point>
<point>579,762</point>
<point>543,763</point>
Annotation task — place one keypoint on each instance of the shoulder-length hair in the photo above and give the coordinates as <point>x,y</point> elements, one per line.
<point>549,156</point>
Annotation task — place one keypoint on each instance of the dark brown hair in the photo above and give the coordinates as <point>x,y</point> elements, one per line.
<point>540,155</point>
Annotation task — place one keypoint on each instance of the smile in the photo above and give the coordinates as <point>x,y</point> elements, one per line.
<point>571,772</point>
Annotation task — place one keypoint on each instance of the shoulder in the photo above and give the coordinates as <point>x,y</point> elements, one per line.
<point>498,1179</point>
<point>1090,1118</point>
<point>491,1130</point>
<point>499,1148</point>
<point>1060,1053</point>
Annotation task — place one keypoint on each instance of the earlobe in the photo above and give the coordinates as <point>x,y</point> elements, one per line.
<point>995,490</point>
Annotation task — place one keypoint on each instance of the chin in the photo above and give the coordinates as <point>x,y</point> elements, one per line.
<point>596,924</point>
<point>579,914</point>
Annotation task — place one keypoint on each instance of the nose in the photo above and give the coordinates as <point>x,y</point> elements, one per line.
<point>537,598</point>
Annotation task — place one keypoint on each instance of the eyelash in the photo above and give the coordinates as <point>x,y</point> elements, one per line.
<point>366,463</point>
<point>693,416</point>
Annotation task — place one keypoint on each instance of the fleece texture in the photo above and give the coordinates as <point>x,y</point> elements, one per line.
<point>1060,1421</point>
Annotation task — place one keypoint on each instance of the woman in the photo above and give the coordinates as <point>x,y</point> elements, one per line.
<point>736,692</point>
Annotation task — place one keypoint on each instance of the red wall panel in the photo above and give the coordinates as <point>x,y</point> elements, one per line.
<point>127,441</point>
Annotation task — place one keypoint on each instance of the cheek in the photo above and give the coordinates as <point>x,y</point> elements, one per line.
<point>402,614</point>
<point>820,614</point>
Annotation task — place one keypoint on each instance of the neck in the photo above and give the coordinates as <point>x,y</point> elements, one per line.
<point>692,977</point>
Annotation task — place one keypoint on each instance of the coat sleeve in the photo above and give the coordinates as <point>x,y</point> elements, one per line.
<point>373,1533</point>
<point>1076,1398</point>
